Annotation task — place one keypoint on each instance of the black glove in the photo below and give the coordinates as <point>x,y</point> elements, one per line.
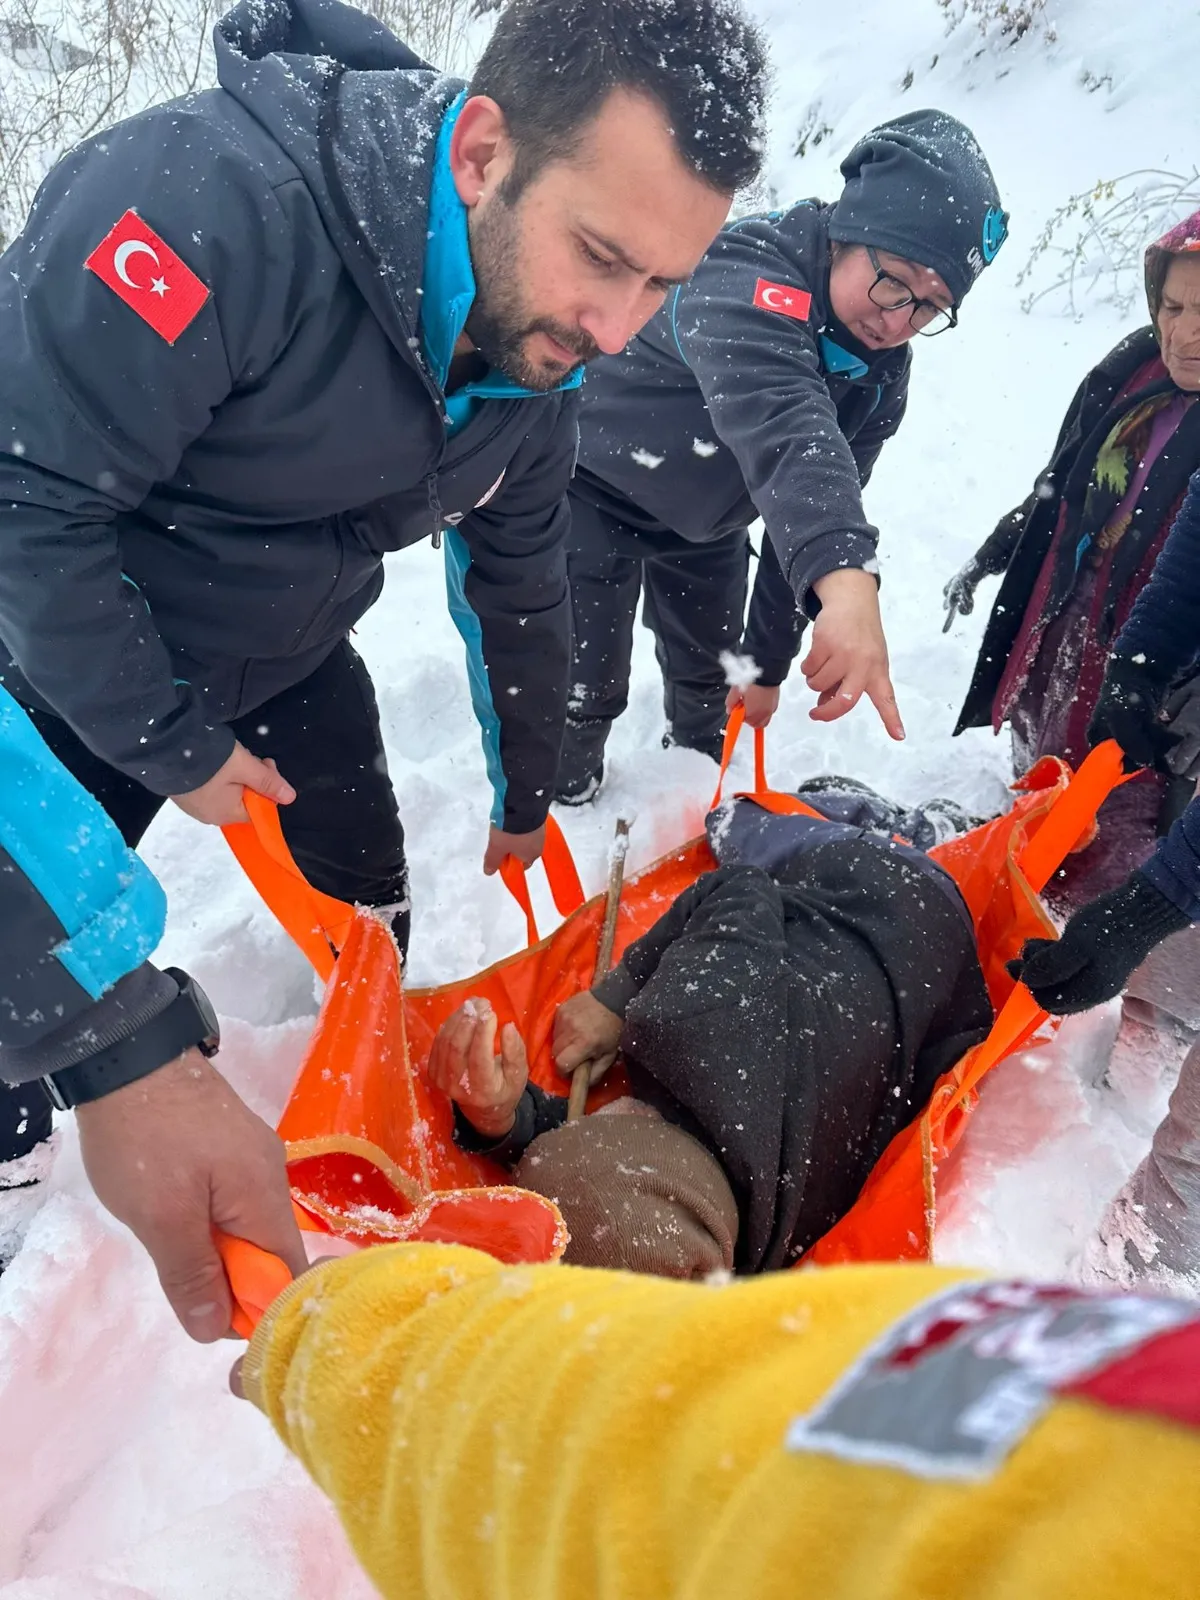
<point>959,593</point>
<point>1128,711</point>
<point>1100,946</point>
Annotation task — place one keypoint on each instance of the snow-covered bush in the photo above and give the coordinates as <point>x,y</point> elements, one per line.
<point>71,67</point>
<point>1091,247</point>
<point>1008,20</point>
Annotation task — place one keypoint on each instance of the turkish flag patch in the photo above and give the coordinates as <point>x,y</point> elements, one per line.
<point>143,270</point>
<point>788,302</point>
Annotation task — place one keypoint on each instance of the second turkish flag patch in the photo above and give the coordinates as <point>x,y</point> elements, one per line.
<point>145,272</point>
<point>780,297</point>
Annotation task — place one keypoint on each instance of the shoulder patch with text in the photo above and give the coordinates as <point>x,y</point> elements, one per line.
<point>957,1383</point>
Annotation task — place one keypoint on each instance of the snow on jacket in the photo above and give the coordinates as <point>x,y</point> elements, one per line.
<point>565,1433</point>
<point>79,914</point>
<point>722,410</point>
<point>189,529</point>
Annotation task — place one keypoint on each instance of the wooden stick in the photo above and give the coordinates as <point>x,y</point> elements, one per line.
<point>580,1078</point>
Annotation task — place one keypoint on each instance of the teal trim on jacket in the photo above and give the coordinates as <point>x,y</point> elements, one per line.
<point>110,906</point>
<point>448,291</point>
<point>447,295</point>
<point>458,559</point>
<point>840,362</point>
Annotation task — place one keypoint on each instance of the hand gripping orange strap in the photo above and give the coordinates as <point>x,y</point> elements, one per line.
<point>255,1278</point>
<point>317,922</point>
<point>769,799</point>
<point>565,887</point>
<point>733,728</point>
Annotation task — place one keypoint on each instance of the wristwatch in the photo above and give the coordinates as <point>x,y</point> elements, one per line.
<point>189,1022</point>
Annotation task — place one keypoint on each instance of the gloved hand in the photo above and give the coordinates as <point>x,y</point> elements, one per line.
<point>1100,947</point>
<point>1129,711</point>
<point>959,593</point>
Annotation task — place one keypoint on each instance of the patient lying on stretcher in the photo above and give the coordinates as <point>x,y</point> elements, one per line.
<point>779,1024</point>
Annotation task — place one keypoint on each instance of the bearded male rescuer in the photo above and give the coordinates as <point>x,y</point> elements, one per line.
<point>252,341</point>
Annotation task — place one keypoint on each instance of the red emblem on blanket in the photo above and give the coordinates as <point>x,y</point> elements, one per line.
<point>143,270</point>
<point>779,297</point>
<point>1162,1377</point>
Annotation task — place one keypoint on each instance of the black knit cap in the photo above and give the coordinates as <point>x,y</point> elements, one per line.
<point>920,187</point>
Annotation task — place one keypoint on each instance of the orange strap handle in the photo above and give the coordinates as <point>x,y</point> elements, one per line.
<point>255,1276</point>
<point>561,874</point>
<point>733,728</point>
<point>788,805</point>
<point>317,922</point>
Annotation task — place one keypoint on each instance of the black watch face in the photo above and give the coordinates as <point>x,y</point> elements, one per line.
<point>191,990</point>
<point>207,1014</point>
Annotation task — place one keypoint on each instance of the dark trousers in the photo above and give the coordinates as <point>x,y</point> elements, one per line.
<point>694,604</point>
<point>343,827</point>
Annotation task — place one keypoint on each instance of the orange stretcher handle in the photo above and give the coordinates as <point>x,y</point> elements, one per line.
<point>1067,821</point>
<point>561,874</point>
<point>317,922</point>
<point>255,1276</point>
<point>1073,813</point>
<point>733,728</point>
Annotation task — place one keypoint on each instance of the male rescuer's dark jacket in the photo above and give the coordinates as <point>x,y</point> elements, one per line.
<point>749,412</point>
<point>188,529</point>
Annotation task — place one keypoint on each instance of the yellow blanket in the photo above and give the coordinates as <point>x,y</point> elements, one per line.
<point>557,1433</point>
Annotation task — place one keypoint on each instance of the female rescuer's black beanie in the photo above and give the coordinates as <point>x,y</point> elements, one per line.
<point>920,187</point>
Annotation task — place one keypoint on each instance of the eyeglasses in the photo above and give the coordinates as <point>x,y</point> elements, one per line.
<point>891,294</point>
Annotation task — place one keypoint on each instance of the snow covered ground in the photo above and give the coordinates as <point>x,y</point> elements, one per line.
<point>126,1470</point>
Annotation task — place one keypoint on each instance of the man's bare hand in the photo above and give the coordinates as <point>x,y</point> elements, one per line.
<point>585,1031</point>
<point>527,847</point>
<point>848,656</point>
<point>219,801</point>
<point>761,703</point>
<point>174,1156</point>
<point>464,1065</point>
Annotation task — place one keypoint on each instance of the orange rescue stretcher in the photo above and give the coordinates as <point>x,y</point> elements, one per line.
<point>370,1147</point>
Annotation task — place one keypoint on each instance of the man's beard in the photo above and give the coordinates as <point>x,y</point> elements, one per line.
<point>499,324</point>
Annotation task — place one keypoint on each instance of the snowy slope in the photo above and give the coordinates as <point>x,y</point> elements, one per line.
<point>126,1472</point>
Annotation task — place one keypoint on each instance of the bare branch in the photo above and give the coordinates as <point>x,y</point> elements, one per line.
<point>1093,245</point>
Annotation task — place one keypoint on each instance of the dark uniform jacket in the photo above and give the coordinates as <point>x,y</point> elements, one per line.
<point>188,529</point>
<point>723,410</point>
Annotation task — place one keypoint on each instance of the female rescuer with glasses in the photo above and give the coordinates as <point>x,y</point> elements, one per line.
<point>766,386</point>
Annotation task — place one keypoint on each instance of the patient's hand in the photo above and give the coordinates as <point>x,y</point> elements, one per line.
<point>463,1064</point>
<point>584,1030</point>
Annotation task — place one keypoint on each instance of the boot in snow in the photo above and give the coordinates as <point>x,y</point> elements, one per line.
<point>581,765</point>
<point>1125,1253</point>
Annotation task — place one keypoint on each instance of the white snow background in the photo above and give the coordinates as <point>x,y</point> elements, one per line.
<point>127,1472</point>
